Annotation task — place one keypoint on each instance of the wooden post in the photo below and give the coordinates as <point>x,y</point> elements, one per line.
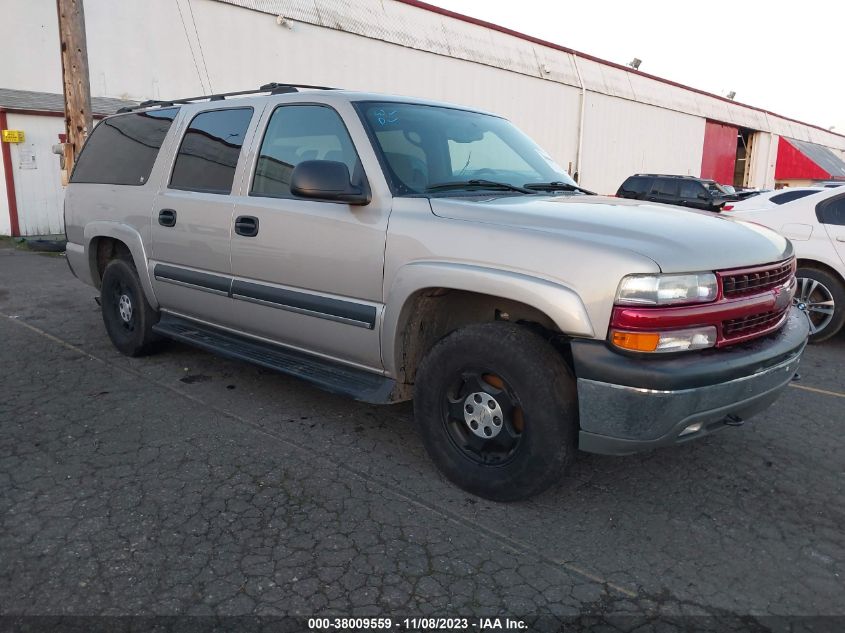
<point>77,87</point>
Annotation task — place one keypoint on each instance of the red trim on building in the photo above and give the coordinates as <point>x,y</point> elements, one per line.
<point>11,196</point>
<point>793,165</point>
<point>536,40</point>
<point>718,160</point>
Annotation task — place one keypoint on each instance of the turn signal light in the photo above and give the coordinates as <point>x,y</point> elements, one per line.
<point>636,341</point>
<point>672,341</point>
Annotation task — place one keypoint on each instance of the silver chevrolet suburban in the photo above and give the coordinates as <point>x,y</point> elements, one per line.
<point>388,248</point>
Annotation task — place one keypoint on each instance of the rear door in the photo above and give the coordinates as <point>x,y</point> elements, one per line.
<point>664,190</point>
<point>310,275</point>
<point>192,216</point>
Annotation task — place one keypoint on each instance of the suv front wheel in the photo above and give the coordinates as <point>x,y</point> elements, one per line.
<point>127,315</point>
<point>497,409</point>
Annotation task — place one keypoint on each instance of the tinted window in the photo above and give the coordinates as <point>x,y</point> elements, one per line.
<point>296,133</point>
<point>789,196</point>
<point>122,149</point>
<point>832,211</point>
<point>665,187</point>
<point>690,189</point>
<point>636,185</point>
<point>209,151</point>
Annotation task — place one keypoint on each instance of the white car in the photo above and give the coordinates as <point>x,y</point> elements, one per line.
<point>815,223</point>
<point>771,199</point>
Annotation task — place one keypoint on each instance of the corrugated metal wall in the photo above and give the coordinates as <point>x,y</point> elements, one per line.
<point>718,158</point>
<point>625,137</point>
<point>140,49</point>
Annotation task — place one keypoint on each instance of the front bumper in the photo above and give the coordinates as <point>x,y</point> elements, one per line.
<point>630,404</point>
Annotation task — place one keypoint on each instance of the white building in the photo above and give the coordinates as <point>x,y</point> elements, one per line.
<point>601,120</point>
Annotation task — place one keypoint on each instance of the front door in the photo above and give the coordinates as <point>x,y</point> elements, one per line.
<point>831,214</point>
<point>192,218</point>
<point>693,194</point>
<point>308,273</point>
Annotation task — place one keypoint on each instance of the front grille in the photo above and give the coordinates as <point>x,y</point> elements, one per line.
<point>751,325</point>
<point>750,281</point>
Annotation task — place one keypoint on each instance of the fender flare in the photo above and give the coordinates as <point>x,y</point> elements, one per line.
<point>132,238</point>
<point>558,302</point>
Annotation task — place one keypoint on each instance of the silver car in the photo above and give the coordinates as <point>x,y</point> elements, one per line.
<point>387,248</point>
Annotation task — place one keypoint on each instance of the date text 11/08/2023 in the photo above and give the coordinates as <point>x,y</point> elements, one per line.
<point>417,624</point>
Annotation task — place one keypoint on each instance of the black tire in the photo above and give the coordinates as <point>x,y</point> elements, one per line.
<point>133,336</point>
<point>827,287</point>
<point>538,405</point>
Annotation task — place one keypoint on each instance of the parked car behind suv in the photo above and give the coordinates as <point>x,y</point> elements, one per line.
<point>685,191</point>
<point>815,223</point>
<point>771,199</point>
<point>386,248</point>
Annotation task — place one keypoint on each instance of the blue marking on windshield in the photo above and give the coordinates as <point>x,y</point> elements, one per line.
<point>386,117</point>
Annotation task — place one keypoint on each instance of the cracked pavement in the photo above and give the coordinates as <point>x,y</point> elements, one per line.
<point>183,483</point>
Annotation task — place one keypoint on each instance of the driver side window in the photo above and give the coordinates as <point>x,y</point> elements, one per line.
<point>298,133</point>
<point>691,190</point>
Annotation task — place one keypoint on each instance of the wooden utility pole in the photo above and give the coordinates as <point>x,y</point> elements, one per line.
<point>77,86</point>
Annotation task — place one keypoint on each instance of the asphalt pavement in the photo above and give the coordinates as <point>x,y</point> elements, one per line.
<point>186,484</point>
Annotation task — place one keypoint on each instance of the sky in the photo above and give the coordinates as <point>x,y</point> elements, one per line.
<point>783,57</point>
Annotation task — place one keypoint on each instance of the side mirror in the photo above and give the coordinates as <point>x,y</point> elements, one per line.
<point>326,180</point>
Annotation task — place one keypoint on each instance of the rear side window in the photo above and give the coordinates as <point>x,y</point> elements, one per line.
<point>789,196</point>
<point>665,187</point>
<point>122,149</point>
<point>209,151</point>
<point>635,185</point>
<point>832,211</point>
<point>297,133</point>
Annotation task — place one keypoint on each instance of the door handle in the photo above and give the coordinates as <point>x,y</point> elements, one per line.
<point>167,217</point>
<point>840,238</point>
<point>246,225</point>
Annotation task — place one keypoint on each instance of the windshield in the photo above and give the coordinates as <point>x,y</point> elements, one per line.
<point>715,187</point>
<point>426,147</point>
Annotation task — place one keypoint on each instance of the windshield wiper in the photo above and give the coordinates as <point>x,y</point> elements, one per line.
<point>476,182</point>
<point>557,186</point>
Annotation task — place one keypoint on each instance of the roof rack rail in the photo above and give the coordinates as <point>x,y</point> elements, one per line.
<point>273,88</point>
<point>671,176</point>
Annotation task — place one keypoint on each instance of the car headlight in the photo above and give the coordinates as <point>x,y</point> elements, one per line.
<point>661,290</point>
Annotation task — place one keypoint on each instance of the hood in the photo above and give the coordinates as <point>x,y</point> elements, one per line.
<point>677,239</point>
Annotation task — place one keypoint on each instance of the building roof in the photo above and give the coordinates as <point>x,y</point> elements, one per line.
<point>420,4</point>
<point>27,100</point>
<point>800,160</point>
<point>821,156</point>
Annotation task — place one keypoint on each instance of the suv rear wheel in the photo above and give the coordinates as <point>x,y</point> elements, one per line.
<point>497,410</point>
<point>128,317</point>
<point>821,296</point>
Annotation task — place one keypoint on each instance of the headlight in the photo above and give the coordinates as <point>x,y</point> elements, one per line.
<point>661,290</point>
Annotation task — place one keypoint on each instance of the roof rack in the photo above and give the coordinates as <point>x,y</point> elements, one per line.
<point>671,176</point>
<point>273,88</point>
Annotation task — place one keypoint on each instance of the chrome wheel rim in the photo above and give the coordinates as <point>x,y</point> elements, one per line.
<point>815,300</point>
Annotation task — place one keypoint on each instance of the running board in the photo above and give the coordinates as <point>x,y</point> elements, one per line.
<point>331,376</point>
